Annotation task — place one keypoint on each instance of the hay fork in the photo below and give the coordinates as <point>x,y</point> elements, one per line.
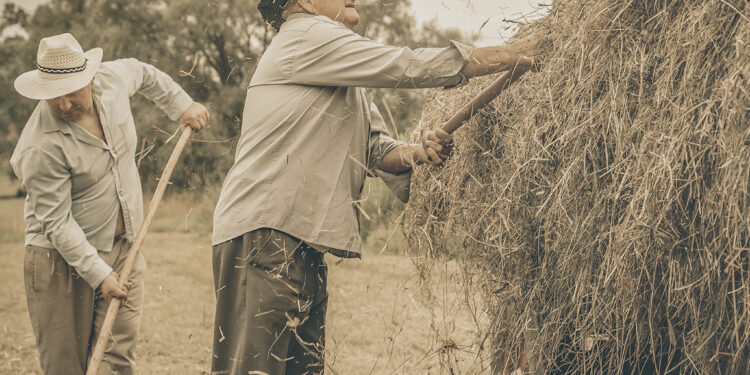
<point>109,319</point>
<point>481,100</point>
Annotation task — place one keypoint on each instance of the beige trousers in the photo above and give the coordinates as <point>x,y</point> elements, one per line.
<point>67,314</point>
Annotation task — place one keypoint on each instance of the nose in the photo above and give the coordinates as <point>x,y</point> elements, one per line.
<point>65,104</point>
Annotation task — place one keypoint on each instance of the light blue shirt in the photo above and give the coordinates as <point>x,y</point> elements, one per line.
<point>75,182</point>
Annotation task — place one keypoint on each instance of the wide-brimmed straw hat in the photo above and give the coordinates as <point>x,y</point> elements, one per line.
<point>62,67</point>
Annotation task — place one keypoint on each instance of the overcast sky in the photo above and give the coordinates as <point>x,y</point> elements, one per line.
<point>470,15</point>
<point>467,15</point>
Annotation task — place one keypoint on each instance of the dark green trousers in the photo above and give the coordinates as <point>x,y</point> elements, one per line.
<point>270,305</point>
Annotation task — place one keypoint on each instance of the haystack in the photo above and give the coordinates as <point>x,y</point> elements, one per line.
<point>603,204</point>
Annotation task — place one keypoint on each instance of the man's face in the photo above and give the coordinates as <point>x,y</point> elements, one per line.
<point>337,10</point>
<point>72,106</point>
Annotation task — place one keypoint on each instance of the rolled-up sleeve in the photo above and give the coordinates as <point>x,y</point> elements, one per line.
<point>48,186</point>
<point>380,144</point>
<point>155,85</point>
<point>332,55</point>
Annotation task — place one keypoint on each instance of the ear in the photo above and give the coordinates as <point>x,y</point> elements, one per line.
<point>307,5</point>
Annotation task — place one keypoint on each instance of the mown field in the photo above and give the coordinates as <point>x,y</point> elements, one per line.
<point>381,318</point>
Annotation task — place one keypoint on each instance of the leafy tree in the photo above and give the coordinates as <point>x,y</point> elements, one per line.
<point>14,110</point>
<point>13,15</point>
<point>210,48</point>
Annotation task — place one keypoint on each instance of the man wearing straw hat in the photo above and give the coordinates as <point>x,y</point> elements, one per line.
<point>310,136</point>
<point>76,160</point>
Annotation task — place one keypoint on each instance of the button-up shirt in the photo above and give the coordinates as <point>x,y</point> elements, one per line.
<point>310,133</point>
<point>75,182</point>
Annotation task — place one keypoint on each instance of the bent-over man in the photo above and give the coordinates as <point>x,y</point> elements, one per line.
<point>76,160</point>
<point>310,136</point>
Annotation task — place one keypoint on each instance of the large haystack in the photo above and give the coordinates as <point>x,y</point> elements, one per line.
<point>603,204</point>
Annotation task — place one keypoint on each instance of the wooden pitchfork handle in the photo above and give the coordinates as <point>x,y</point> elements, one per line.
<point>481,100</point>
<point>114,304</point>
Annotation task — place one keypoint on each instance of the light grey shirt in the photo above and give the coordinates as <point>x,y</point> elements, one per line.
<point>75,182</point>
<point>310,133</point>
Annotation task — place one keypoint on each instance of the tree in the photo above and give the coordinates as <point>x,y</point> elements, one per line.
<point>14,110</point>
<point>13,15</point>
<point>210,48</point>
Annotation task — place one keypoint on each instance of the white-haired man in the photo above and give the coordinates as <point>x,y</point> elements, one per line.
<point>76,160</point>
<point>310,136</point>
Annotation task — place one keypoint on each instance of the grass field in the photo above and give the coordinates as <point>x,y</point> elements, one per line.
<point>381,318</point>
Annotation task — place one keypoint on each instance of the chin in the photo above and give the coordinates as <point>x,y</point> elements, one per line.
<point>351,22</point>
<point>72,117</point>
<point>351,18</point>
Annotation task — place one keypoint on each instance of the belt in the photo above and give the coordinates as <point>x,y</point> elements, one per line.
<point>119,237</point>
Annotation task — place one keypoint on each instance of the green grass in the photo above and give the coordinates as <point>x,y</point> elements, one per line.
<point>381,318</point>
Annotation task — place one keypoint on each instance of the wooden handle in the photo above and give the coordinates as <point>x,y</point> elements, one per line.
<point>481,100</point>
<point>114,304</point>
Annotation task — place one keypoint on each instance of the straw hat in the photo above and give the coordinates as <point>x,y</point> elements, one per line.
<point>62,67</point>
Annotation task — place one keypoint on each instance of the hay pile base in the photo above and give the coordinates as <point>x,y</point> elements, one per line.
<point>603,204</point>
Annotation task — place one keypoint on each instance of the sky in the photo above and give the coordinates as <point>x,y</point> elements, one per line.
<point>466,15</point>
<point>470,15</point>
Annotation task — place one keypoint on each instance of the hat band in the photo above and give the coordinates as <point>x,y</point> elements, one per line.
<point>63,71</point>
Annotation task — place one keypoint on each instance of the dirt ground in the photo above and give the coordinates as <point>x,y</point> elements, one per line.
<point>379,318</point>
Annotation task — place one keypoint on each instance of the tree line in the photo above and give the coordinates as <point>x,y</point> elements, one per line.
<point>210,48</point>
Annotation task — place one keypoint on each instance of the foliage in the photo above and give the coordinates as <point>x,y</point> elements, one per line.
<point>210,48</point>
<point>13,15</point>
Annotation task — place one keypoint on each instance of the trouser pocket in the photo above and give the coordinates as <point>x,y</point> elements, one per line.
<point>46,271</point>
<point>60,308</point>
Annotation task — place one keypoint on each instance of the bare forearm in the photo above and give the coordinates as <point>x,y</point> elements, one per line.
<point>490,60</point>
<point>435,148</point>
<point>400,159</point>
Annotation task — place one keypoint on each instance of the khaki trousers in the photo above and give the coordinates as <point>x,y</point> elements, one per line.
<point>270,306</point>
<point>67,314</point>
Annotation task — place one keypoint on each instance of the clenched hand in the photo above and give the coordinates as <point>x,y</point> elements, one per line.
<point>111,288</point>
<point>196,117</point>
<point>436,147</point>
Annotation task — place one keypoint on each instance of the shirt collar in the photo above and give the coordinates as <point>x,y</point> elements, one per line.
<point>52,123</point>
<point>295,16</point>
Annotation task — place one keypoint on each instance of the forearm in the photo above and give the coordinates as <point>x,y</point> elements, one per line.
<point>164,92</point>
<point>157,86</point>
<point>70,241</point>
<point>490,60</point>
<point>401,159</point>
<point>333,55</point>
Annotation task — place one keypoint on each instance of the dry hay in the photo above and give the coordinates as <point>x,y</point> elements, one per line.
<point>604,200</point>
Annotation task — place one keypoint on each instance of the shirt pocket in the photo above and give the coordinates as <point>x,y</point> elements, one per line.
<point>120,122</point>
<point>124,134</point>
<point>90,169</point>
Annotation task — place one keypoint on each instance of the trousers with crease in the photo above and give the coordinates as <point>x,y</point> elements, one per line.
<point>67,314</point>
<point>270,306</point>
